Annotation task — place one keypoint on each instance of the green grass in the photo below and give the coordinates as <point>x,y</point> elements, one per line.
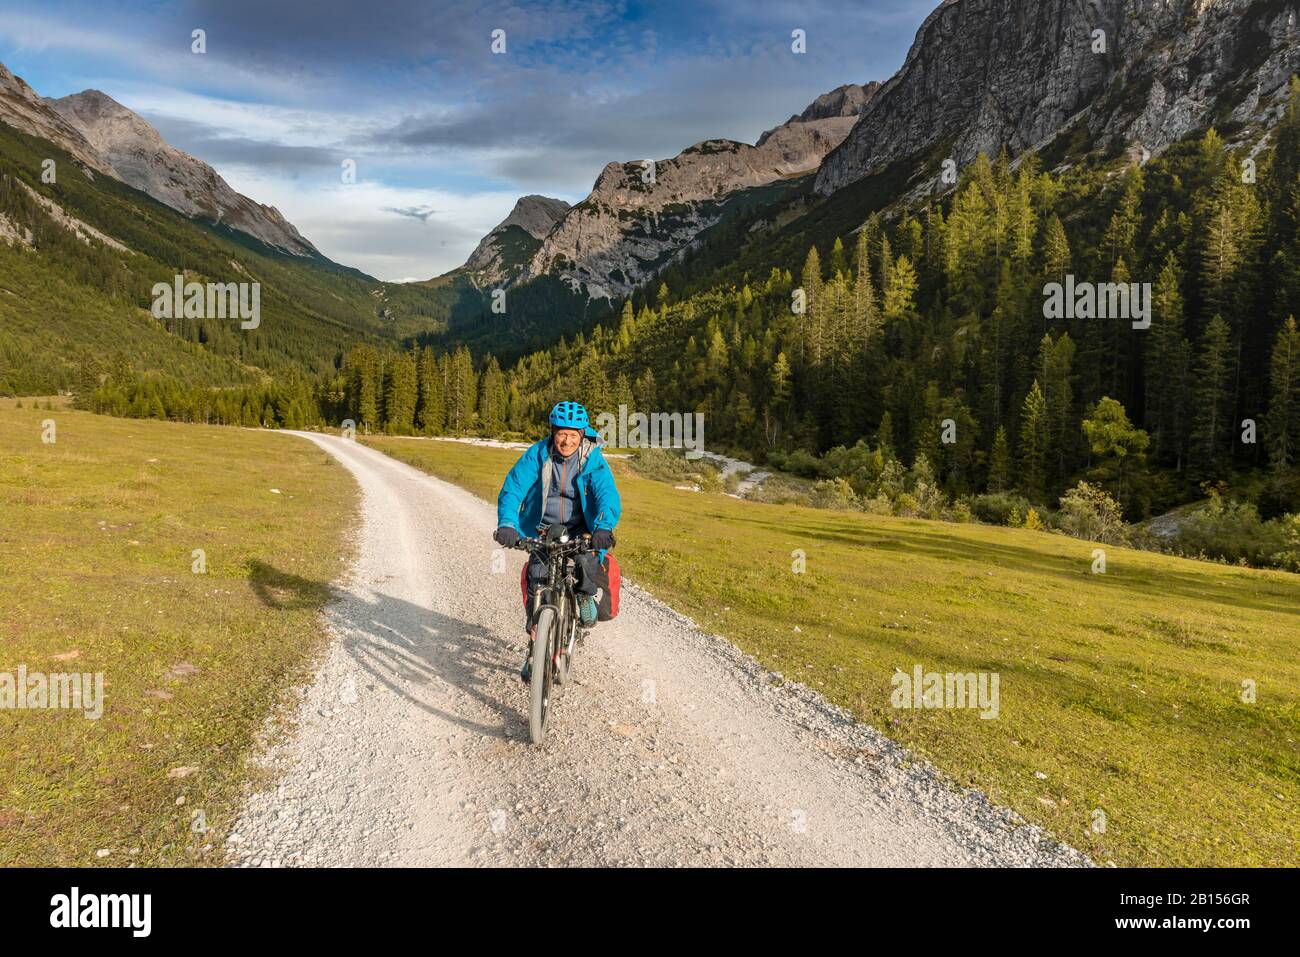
<point>97,533</point>
<point>1123,688</point>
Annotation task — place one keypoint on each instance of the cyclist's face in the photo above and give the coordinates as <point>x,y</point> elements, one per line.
<point>566,441</point>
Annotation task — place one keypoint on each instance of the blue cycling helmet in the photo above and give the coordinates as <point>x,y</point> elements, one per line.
<point>571,415</point>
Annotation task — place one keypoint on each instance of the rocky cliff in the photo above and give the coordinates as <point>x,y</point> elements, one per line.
<point>137,155</point>
<point>504,251</point>
<point>983,74</point>
<point>24,110</point>
<point>640,215</point>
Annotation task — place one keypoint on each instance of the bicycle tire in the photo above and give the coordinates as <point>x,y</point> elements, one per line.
<point>540,686</point>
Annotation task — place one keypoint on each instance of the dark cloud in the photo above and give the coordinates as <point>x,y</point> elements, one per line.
<point>448,35</point>
<point>555,133</point>
<point>218,147</point>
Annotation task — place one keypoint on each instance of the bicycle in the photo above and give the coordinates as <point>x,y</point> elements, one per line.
<point>556,621</point>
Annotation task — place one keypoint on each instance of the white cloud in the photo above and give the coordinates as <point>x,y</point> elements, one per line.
<point>353,224</point>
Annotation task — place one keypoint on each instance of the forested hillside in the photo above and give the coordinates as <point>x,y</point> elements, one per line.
<point>74,306</point>
<point>924,335</point>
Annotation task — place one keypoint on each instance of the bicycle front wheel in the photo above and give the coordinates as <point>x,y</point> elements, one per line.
<point>539,689</point>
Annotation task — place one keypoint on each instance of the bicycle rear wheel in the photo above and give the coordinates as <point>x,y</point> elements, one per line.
<point>539,689</point>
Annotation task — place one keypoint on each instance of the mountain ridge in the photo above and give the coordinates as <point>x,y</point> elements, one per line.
<point>502,253</point>
<point>136,153</point>
<point>106,138</point>
<point>989,74</point>
<point>641,215</point>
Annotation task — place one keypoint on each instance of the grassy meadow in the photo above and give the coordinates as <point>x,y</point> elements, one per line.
<point>1123,689</point>
<point>98,532</point>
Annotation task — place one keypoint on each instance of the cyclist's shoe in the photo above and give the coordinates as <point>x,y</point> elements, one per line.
<point>526,672</point>
<point>587,609</point>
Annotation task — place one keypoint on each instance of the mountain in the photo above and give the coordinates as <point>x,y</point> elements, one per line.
<point>843,105</point>
<point>639,217</point>
<point>80,257</point>
<point>24,110</point>
<point>135,153</point>
<point>507,248</point>
<point>986,74</point>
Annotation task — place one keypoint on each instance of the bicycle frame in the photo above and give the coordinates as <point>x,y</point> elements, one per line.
<point>558,592</point>
<point>552,659</point>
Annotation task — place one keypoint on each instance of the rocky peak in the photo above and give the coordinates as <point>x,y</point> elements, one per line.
<point>506,249</point>
<point>849,100</point>
<point>25,111</point>
<point>104,121</point>
<point>536,215</point>
<point>639,216</point>
<point>984,74</point>
<point>137,155</point>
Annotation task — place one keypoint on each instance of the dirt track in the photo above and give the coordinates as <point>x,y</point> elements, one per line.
<point>671,748</point>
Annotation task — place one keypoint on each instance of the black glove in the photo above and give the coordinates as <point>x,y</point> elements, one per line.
<point>602,538</point>
<point>507,536</point>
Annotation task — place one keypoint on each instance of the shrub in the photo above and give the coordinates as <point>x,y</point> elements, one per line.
<point>1233,532</point>
<point>833,493</point>
<point>879,505</point>
<point>802,462</point>
<point>998,508</point>
<point>1289,557</point>
<point>777,492</point>
<point>859,465</point>
<point>1033,522</point>
<point>1089,511</point>
<point>960,512</point>
<point>665,466</point>
<point>906,504</point>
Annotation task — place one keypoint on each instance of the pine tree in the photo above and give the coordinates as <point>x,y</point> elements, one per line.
<point>865,315</point>
<point>1034,444</point>
<point>400,395</point>
<point>1057,260</point>
<point>1283,422</point>
<point>899,301</point>
<point>1055,365</point>
<point>431,413</point>
<point>839,265</point>
<point>1118,242</point>
<point>1212,403</point>
<point>812,289</point>
<point>885,437</point>
<point>645,391</point>
<point>492,399</point>
<point>999,462</point>
<point>1166,360</point>
<point>366,375</point>
<point>461,391</point>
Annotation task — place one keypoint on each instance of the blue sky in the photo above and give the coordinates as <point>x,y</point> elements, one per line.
<point>445,134</point>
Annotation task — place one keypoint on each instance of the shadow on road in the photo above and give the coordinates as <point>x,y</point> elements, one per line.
<point>434,661</point>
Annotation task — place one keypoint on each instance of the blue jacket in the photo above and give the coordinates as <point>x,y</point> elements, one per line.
<point>519,506</point>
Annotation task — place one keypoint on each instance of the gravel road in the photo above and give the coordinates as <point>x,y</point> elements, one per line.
<point>411,748</point>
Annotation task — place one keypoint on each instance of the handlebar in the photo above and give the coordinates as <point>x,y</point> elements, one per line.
<point>581,543</point>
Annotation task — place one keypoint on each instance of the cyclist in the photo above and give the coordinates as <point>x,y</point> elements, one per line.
<point>563,479</point>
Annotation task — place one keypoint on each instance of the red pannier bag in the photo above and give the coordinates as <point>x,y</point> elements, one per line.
<point>608,578</point>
